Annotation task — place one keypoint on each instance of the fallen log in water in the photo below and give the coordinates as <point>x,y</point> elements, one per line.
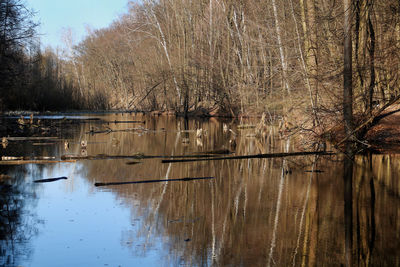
<point>44,144</point>
<point>4,158</point>
<point>132,162</point>
<point>155,181</point>
<point>217,152</point>
<point>21,162</point>
<point>104,156</point>
<point>8,158</point>
<point>257,156</point>
<point>48,180</point>
<point>135,156</point>
<point>27,158</point>
<point>31,138</point>
<point>318,171</point>
<point>128,121</point>
<point>140,129</point>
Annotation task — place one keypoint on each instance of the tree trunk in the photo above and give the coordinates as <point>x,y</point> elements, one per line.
<point>281,53</point>
<point>347,72</point>
<point>372,61</point>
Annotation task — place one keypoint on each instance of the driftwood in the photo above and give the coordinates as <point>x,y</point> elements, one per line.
<point>132,162</point>
<point>215,152</point>
<point>27,158</point>
<point>44,144</point>
<point>31,138</point>
<point>48,180</point>
<point>21,162</point>
<point>127,121</point>
<point>6,158</point>
<point>256,156</point>
<point>141,129</point>
<point>135,156</point>
<point>318,171</point>
<point>155,181</point>
<point>104,156</point>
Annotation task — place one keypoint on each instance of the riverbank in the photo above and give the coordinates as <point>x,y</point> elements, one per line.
<point>382,138</point>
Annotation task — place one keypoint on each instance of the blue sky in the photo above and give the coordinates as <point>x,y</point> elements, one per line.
<point>56,15</point>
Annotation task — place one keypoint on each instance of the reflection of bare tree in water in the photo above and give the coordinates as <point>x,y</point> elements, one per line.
<point>17,223</point>
<point>253,212</point>
<point>361,204</point>
<point>278,206</point>
<point>156,209</point>
<point>348,208</point>
<point>305,205</point>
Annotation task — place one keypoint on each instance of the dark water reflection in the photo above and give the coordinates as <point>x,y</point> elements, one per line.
<point>305,211</point>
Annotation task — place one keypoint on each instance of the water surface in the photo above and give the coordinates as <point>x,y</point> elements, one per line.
<point>303,211</point>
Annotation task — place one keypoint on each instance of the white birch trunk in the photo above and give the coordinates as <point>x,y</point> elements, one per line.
<point>281,53</point>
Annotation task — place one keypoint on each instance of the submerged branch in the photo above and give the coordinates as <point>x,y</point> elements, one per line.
<point>155,181</point>
<point>139,129</point>
<point>257,156</point>
<point>48,180</point>
<point>141,156</point>
<point>21,162</point>
<point>127,121</point>
<point>31,138</point>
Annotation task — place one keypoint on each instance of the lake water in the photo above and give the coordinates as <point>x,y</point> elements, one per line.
<point>296,211</point>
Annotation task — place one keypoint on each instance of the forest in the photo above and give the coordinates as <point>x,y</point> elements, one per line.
<point>310,62</point>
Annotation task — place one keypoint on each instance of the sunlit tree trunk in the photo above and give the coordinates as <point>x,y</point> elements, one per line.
<point>69,42</point>
<point>281,52</point>
<point>303,62</point>
<point>164,45</point>
<point>312,49</point>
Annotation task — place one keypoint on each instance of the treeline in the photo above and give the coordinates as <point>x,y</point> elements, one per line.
<point>227,57</point>
<point>30,78</point>
<point>241,56</point>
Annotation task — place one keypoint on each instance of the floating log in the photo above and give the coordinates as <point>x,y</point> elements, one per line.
<point>135,156</point>
<point>128,121</point>
<point>132,162</point>
<point>318,171</point>
<point>122,130</point>
<point>32,138</point>
<point>44,144</point>
<point>155,181</point>
<point>257,156</point>
<point>104,156</point>
<point>4,158</point>
<point>217,152</point>
<point>8,158</point>
<point>99,132</point>
<point>87,119</point>
<point>21,162</point>
<point>48,180</point>
<point>40,158</point>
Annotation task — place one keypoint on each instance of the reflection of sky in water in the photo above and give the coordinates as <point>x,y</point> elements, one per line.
<point>232,220</point>
<point>83,226</point>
